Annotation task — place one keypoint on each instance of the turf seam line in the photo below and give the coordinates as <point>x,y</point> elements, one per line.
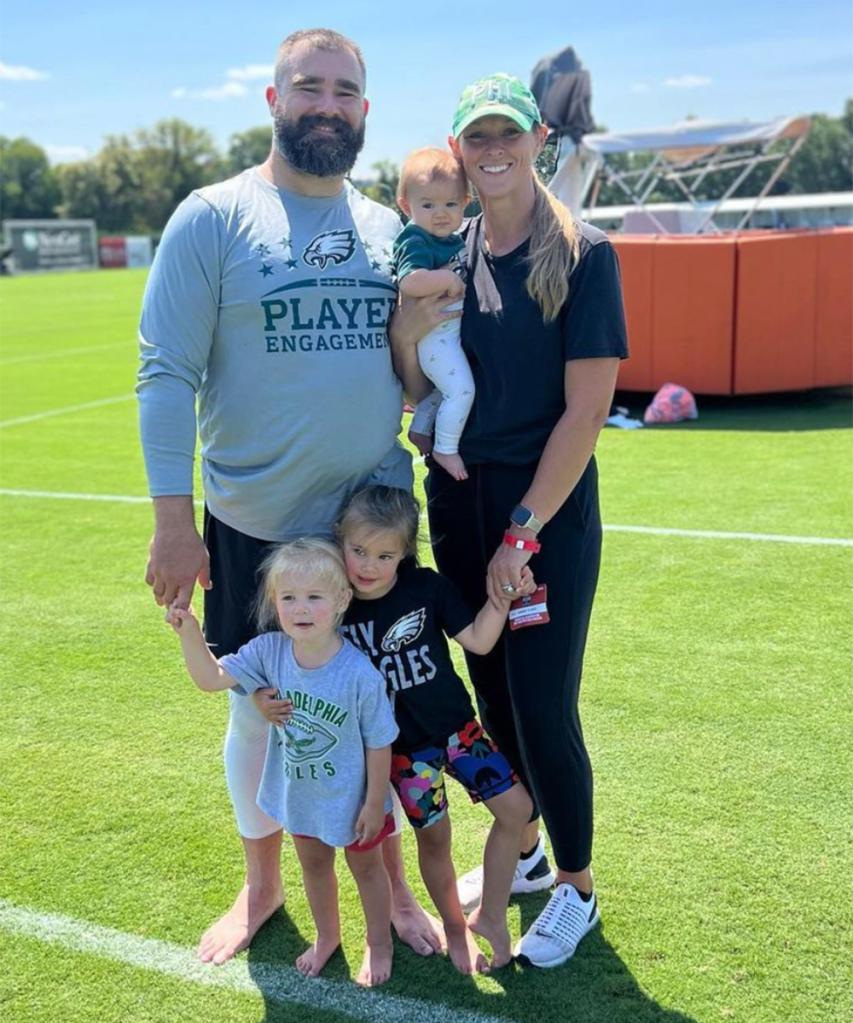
<point>282,984</point>
<point>698,534</point>
<point>66,409</point>
<point>14,360</point>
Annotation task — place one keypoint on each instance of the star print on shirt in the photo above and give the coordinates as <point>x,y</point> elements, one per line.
<point>266,270</point>
<point>262,250</point>
<point>291,264</point>
<point>375,266</point>
<point>285,243</point>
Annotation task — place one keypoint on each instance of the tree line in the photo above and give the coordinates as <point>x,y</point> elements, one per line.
<point>135,181</point>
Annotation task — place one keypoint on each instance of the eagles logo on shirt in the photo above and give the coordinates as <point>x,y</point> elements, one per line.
<point>404,630</point>
<point>330,247</point>
<point>305,739</point>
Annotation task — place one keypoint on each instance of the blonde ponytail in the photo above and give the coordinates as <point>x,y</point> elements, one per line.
<point>553,252</point>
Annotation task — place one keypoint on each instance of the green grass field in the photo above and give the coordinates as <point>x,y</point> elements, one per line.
<point>716,705</point>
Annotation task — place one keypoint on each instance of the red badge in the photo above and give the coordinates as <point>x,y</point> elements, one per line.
<point>530,610</point>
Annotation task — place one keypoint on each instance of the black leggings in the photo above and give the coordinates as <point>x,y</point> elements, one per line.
<point>527,687</point>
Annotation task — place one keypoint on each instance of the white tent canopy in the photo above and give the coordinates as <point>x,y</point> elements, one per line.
<point>683,155</point>
<point>695,134</point>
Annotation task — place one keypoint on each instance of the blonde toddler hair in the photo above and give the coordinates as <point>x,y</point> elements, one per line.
<point>310,557</point>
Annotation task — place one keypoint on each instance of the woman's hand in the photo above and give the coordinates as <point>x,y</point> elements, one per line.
<point>414,318</point>
<point>507,568</point>
<point>276,711</point>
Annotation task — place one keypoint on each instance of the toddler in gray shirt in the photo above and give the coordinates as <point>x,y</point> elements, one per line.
<point>327,766</point>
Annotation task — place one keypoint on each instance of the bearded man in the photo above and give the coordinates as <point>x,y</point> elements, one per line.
<point>267,304</point>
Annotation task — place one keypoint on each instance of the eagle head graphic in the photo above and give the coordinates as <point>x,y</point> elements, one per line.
<point>330,247</point>
<point>404,630</point>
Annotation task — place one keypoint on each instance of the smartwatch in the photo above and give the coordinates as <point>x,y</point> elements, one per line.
<point>525,519</point>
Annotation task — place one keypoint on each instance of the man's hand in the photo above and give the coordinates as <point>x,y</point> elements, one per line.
<point>177,556</point>
<point>275,710</point>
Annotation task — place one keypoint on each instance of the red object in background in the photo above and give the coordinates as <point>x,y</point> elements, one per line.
<point>112,253</point>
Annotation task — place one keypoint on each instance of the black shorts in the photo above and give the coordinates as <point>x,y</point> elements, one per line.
<point>230,606</point>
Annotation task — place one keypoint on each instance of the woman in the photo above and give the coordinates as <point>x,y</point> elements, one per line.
<point>543,328</point>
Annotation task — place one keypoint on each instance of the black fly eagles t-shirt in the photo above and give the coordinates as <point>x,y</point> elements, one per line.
<point>403,634</point>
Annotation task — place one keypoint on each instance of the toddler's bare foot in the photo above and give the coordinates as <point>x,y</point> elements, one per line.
<point>416,928</point>
<point>234,930</point>
<point>312,961</point>
<point>463,951</point>
<point>422,441</point>
<point>452,464</point>
<point>497,935</point>
<point>376,965</point>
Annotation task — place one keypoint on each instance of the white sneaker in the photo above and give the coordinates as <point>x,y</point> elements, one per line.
<point>554,935</point>
<point>532,874</point>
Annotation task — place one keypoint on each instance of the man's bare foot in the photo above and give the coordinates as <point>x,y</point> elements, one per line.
<point>234,930</point>
<point>463,952</point>
<point>312,960</point>
<point>451,464</point>
<point>497,935</point>
<point>376,965</point>
<point>422,441</point>
<point>417,929</point>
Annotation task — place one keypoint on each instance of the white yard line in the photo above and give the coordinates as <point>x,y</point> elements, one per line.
<point>718,534</point>
<point>65,409</point>
<point>696,534</point>
<point>61,353</point>
<point>282,984</point>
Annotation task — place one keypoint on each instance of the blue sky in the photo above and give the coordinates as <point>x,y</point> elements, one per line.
<point>72,73</point>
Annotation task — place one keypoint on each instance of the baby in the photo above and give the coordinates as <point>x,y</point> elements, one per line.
<point>429,260</point>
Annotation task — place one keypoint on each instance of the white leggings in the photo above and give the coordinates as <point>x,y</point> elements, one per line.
<point>441,358</point>
<point>244,752</point>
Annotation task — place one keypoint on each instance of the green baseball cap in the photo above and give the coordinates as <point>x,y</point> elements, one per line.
<point>499,94</point>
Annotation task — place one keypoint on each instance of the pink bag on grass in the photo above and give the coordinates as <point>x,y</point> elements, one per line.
<point>671,404</point>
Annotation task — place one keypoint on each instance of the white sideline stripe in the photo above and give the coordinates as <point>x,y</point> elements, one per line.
<point>61,353</point>
<point>283,984</point>
<point>66,408</point>
<point>59,495</point>
<point>697,534</point>
<point>717,534</point>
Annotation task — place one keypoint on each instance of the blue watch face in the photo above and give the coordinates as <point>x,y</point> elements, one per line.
<point>520,516</point>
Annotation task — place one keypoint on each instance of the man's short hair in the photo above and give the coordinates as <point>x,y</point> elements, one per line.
<point>430,164</point>
<point>319,39</point>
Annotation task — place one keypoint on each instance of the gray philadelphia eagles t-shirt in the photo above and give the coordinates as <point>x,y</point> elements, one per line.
<point>314,779</point>
<point>272,308</point>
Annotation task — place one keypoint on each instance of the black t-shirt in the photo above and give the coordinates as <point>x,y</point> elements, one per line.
<point>403,634</point>
<point>518,360</point>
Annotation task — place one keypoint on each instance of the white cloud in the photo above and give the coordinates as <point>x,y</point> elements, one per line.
<point>19,73</point>
<point>230,90</point>
<point>65,154</point>
<point>687,82</point>
<point>249,72</point>
<point>640,87</point>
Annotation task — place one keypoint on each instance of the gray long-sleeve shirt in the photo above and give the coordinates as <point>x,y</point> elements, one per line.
<point>271,308</point>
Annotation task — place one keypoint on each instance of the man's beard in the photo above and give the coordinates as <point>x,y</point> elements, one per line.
<point>316,153</point>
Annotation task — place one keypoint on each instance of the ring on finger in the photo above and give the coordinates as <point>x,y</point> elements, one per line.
<point>508,588</point>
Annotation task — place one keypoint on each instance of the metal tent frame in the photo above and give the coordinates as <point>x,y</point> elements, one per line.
<point>684,154</point>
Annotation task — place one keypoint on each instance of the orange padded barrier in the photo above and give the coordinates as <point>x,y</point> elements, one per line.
<point>752,313</point>
<point>775,312</point>
<point>637,264</point>
<point>834,308</point>
<point>693,313</point>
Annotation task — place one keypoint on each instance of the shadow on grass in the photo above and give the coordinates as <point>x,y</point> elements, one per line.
<point>594,987</point>
<point>829,409</point>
